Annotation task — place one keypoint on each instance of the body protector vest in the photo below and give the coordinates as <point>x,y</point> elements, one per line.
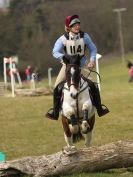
<point>75,46</point>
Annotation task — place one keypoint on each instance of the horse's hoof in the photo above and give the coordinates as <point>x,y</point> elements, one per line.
<point>69,150</point>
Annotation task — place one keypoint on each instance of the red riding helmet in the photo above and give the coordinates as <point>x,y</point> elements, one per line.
<point>71,20</point>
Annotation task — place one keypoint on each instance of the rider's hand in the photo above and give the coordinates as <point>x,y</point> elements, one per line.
<point>91,65</point>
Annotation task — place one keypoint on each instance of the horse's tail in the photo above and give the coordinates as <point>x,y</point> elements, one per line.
<point>77,137</point>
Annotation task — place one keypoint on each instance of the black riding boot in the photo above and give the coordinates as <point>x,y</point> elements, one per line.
<point>94,90</point>
<point>53,113</point>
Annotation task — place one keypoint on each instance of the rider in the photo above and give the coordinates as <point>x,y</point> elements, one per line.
<point>74,42</point>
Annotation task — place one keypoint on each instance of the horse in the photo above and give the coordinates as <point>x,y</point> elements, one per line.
<point>78,112</point>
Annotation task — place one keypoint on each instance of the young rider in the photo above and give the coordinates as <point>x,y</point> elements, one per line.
<point>74,42</point>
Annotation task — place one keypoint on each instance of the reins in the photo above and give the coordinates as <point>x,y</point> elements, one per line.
<point>77,101</point>
<point>92,71</point>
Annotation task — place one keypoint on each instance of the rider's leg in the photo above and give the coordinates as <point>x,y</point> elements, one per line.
<point>53,113</point>
<point>61,75</point>
<point>101,109</point>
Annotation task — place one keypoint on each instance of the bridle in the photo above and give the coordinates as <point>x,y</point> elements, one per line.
<point>70,78</point>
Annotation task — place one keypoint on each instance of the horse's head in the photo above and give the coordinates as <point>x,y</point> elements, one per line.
<point>73,72</point>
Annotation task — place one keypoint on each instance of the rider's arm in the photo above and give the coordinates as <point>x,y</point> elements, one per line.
<point>92,50</point>
<point>91,46</point>
<point>58,50</point>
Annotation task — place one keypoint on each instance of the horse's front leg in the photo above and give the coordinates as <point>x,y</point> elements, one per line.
<point>88,111</point>
<point>67,132</point>
<point>69,149</point>
<point>88,122</point>
<point>69,112</point>
<point>88,135</point>
<point>85,125</point>
<point>74,127</point>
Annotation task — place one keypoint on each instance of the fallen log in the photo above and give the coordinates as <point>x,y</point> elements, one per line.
<point>33,92</point>
<point>114,155</point>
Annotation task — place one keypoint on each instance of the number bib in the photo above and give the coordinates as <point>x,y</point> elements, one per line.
<point>74,47</point>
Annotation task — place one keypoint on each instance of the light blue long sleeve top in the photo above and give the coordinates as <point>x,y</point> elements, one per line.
<point>58,50</point>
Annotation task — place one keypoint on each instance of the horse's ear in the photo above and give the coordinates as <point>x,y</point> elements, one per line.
<point>66,59</point>
<point>77,59</point>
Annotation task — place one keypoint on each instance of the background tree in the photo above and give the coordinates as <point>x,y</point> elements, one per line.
<point>31,28</point>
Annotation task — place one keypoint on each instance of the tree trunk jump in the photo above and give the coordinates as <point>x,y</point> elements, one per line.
<point>114,155</point>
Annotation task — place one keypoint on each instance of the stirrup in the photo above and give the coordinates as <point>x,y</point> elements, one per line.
<point>50,114</point>
<point>103,106</point>
<point>103,111</point>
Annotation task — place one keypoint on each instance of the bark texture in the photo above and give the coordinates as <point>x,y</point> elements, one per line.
<point>33,92</point>
<point>114,155</point>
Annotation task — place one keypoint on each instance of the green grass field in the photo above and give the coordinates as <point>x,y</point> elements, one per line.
<point>24,131</point>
